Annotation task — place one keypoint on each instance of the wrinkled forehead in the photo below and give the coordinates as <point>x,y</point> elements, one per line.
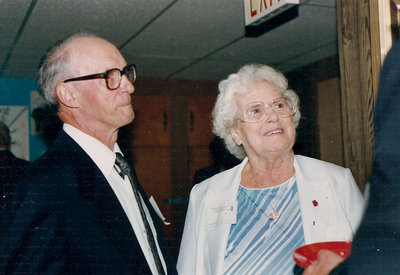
<point>259,91</point>
<point>94,55</point>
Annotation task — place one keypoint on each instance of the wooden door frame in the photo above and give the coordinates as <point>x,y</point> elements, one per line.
<point>362,46</point>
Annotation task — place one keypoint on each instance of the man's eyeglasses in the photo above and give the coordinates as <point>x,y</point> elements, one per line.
<point>113,76</point>
<point>257,111</point>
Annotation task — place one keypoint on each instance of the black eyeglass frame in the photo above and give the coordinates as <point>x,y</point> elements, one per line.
<point>106,76</point>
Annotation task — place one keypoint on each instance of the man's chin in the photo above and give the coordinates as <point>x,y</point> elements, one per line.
<point>130,118</point>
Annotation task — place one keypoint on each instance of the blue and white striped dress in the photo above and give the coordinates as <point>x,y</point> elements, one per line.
<point>258,244</point>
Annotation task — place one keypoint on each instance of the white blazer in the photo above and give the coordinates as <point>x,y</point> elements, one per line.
<point>330,202</point>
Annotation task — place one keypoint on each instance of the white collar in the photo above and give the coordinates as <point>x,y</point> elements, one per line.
<point>102,156</point>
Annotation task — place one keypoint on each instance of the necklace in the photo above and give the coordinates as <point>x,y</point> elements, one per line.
<point>273,215</point>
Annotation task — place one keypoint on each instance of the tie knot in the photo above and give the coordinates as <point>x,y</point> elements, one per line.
<point>121,162</point>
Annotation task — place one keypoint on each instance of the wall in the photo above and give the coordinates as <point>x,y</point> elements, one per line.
<point>180,93</point>
<point>306,81</point>
<point>17,92</point>
<point>330,121</point>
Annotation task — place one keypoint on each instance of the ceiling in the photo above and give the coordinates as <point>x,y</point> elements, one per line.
<point>186,39</point>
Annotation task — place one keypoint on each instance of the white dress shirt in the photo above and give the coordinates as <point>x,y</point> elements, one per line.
<point>104,158</point>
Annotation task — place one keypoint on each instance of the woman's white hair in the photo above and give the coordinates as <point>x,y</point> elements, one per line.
<point>225,110</point>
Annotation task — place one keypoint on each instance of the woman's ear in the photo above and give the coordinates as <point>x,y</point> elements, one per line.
<point>235,133</point>
<point>66,95</point>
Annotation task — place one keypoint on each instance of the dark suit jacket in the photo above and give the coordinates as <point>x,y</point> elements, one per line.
<point>11,168</point>
<point>376,245</point>
<point>63,217</point>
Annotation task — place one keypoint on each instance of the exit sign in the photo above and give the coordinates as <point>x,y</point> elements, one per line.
<point>259,11</point>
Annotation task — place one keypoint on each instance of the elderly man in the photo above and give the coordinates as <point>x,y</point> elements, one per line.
<point>80,208</point>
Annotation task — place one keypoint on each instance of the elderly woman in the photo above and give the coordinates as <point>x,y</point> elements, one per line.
<point>251,218</point>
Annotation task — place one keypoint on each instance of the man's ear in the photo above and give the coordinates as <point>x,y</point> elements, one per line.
<point>66,95</point>
<point>235,133</point>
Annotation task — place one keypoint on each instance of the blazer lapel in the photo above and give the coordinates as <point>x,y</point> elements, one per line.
<point>314,202</point>
<point>219,215</point>
<point>110,215</point>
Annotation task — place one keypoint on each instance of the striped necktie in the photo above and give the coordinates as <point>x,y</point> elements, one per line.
<point>126,170</point>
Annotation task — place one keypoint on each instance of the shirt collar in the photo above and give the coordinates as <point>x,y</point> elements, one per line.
<point>102,156</point>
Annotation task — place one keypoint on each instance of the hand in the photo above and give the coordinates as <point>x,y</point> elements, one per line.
<point>326,261</point>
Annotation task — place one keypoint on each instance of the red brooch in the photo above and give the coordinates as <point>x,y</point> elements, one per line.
<point>315,203</point>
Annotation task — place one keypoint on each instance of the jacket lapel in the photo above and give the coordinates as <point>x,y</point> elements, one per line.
<point>314,199</point>
<point>110,215</point>
<point>221,202</point>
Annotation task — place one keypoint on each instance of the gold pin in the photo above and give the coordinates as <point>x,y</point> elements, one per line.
<point>273,215</point>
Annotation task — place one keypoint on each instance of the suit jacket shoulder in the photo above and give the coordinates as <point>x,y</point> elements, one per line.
<point>63,217</point>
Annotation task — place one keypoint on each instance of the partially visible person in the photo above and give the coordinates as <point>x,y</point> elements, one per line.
<point>47,123</point>
<point>376,245</point>
<point>222,160</point>
<point>250,219</point>
<point>11,167</point>
<point>79,209</point>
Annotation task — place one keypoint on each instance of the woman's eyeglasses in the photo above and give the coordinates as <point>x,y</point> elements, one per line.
<point>257,111</point>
